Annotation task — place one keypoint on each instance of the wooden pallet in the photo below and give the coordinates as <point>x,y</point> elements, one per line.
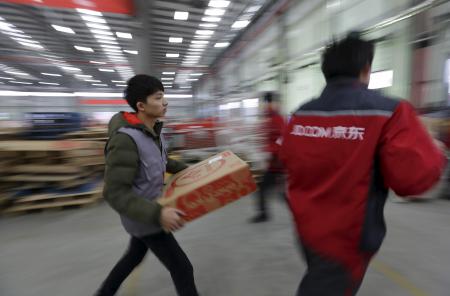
<point>48,201</point>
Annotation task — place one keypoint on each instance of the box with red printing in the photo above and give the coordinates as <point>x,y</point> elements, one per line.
<point>209,185</point>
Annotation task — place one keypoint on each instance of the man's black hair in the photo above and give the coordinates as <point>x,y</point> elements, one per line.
<point>139,87</point>
<point>347,57</point>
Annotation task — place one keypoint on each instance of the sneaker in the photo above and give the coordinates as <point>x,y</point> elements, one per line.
<point>263,217</point>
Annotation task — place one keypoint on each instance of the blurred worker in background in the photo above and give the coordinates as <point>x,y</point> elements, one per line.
<point>273,128</point>
<point>136,160</point>
<point>342,152</point>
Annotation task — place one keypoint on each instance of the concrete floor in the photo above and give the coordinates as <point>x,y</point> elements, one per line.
<point>70,252</point>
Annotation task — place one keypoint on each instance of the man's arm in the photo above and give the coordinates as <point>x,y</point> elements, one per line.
<point>411,162</point>
<point>174,166</point>
<point>122,164</point>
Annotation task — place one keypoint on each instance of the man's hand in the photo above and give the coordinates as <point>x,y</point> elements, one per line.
<point>171,219</point>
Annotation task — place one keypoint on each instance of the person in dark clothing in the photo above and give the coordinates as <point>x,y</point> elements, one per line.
<point>342,152</point>
<point>273,128</point>
<point>136,160</point>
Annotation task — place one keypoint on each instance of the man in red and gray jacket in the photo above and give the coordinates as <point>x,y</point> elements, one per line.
<point>342,153</point>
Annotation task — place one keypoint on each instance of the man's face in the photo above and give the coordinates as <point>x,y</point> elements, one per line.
<point>155,107</point>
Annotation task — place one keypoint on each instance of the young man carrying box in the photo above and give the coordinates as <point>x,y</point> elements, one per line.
<point>136,160</point>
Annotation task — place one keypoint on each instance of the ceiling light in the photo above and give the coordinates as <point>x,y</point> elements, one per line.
<point>19,39</point>
<point>204,32</point>
<point>99,84</point>
<point>219,3</point>
<point>214,12</point>
<point>181,15</point>
<point>175,39</point>
<point>90,12</point>
<point>105,70</point>
<point>113,42</point>
<point>253,9</point>
<point>168,73</point>
<point>16,34</point>
<point>167,86</point>
<point>185,86</point>
<point>172,55</point>
<point>70,68</point>
<point>9,27</point>
<point>17,73</point>
<point>240,24</point>
<point>208,25</point>
<point>124,35</point>
<point>121,85</point>
<point>112,51</point>
<point>104,37</point>
<point>196,49</point>
<point>98,95</point>
<point>222,44</point>
<point>94,62</point>
<point>20,82</point>
<point>202,36</point>
<point>101,32</point>
<point>82,48</point>
<point>93,19</point>
<point>131,51</point>
<point>83,76</point>
<point>167,78</point>
<point>63,29</point>
<point>110,46</point>
<point>196,74</point>
<point>92,80</point>
<point>97,26</point>
<point>211,19</point>
<point>199,42</point>
<point>31,45</point>
<point>51,74</point>
<point>193,57</point>
<point>7,78</point>
<point>118,81</point>
<point>49,83</point>
<point>192,79</point>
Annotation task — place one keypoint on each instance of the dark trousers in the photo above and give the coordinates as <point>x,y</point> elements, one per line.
<point>268,181</point>
<point>166,248</point>
<point>326,278</point>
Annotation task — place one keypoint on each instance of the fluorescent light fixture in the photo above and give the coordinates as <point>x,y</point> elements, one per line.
<point>131,51</point>
<point>196,74</point>
<point>104,37</point>
<point>240,24</point>
<point>7,78</point>
<point>94,19</point>
<point>192,57</point>
<point>181,15</point>
<point>167,82</point>
<point>70,68</point>
<point>204,32</point>
<point>90,12</point>
<point>92,80</point>
<point>167,78</point>
<point>172,55</point>
<point>121,85</point>
<point>202,42</point>
<point>192,79</point>
<point>95,62</point>
<point>98,95</point>
<point>18,39</point>
<point>234,105</point>
<point>99,84</point>
<point>219,3</point>
<point>124,35</point>
<point>105,70</point>
<point>250,103</point>
<point>196,49</point>
<point>16,34</point>
<point>208,25</point>
<point>51,74</point>
<point>381,79</point>
<point>82,48</point>
<point>49,83</point>
<point>211,19</point>
<point>101,32</point>
<point>113,42</point>
<point>20,82</point>
<point>97,26</point>
<point>31,45</point>
<point>63,29</point>
<point>83,76</point>
<point>186,86</point>
<point>112,51</point>
<point>9,27</point>
<point>177,96</point>
<point>118,81</point>
<point>214,12</point>
<point>110,46</point>
<point>167,86</point>
<point>17,73</point>
<point>168,73</point>
<point>222,44</point>
<point>202,36</point>
<point>34,94</point>
<point>252,9</point>
<point>175,39</point>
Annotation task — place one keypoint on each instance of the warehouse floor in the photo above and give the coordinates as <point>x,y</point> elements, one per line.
<point>68,253</point>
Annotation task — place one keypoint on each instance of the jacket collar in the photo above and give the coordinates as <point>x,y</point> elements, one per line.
<point>132,119</point>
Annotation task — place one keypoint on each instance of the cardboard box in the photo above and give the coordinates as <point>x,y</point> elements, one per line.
<point>209,185</point>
